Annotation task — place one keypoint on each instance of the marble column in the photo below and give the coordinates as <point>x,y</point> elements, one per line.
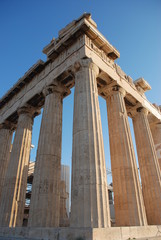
<point>45,199</point>
<point>156,133</point>
<point>63,220</point>
<point>6,132</point>
<point>128,200</point>
<point>89,195</point>
<point>149,167</point>
<point>13,195</point>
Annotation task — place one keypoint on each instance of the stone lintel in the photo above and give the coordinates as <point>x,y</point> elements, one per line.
<point>132,92</point>
<point>113,75</point>
<point>142,85</point>
<point>35,69</point>
<point>68,36</point>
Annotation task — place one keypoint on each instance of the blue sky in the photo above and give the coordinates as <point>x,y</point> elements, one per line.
<point>133,27</point>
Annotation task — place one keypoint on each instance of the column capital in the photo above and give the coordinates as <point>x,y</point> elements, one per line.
<point>143,110</point>
<point>114,90</point>
<point>59,88</point>
<point>8,125</point>
<point>135,110</point>
<point>86,63</point>
<point>29,110</point>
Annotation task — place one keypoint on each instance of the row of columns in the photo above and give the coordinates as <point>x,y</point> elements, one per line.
<point>129,205</point>
<point>89,195</point>
<point>12,200</point>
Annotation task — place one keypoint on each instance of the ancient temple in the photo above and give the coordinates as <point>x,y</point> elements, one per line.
<point>80,57</point>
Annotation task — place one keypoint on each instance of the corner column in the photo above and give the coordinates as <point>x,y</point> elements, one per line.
<point>14,191</point>
<point>6,132</point>
<point>89,195</point>
<point>45,199</point>
<point>149,167</point>
<point>128,200</point>
<point>156,133</point>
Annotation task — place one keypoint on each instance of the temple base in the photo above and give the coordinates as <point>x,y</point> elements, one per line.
<point>114,233</point>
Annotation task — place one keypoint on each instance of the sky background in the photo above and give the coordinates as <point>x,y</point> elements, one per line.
<point>132,26</point>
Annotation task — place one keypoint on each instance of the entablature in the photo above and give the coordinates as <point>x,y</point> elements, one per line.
<point>76,41</point>
<point>114,75</point>
<point>28,76</point>
<point>68,35</point>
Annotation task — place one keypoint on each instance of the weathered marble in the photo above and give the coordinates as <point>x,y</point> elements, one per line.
<point>80,56</point>
<point>13,195</point>
<point>156,133</point>
<point>71,233</point>
<point>89,196</point>
<point>149,167</point>
<point>63,219</point>
<point>6,132</point>
<point>128,200</point>
<point>45,200</point>
<point>67,50</point>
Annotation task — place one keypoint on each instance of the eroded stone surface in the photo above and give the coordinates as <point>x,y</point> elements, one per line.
<point>14,191</point>
<point>129,205</point>
<point>156,133</point>
<point>69,62</point>
<point>45,200</point>
<point>89,196</point>
<point>119,233</point>
<point>5,148</point>
<point>149,167</point>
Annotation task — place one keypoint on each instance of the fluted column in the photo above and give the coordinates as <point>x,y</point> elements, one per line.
<point>63,220</point>
<point>128,200</point>
<point>149,167</point>
<point>6,132</point>
<point>45,200</point>
<point>156,133</point>
<point>13,195</point>
<point>89,195</point>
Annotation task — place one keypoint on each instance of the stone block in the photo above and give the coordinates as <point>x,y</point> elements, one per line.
<point>72,233</point>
